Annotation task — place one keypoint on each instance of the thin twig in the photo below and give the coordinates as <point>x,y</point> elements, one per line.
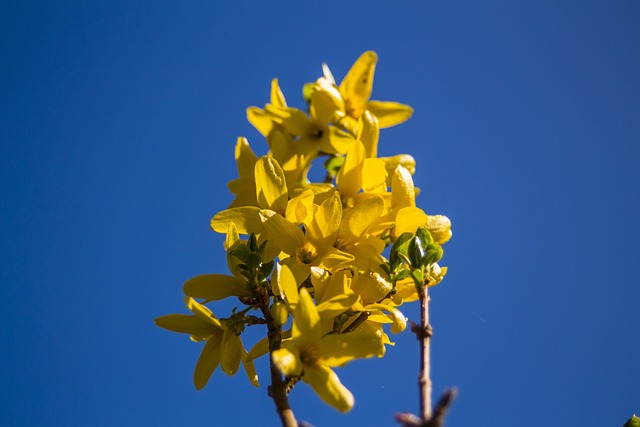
<point>278,389</point>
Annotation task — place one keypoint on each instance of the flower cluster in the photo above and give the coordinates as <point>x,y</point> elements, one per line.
<point>326,265</point>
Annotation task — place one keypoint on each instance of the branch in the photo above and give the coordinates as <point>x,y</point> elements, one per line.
<point>278,388</point>
<point>427,418</point>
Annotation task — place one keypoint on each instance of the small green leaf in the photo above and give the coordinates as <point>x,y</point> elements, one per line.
<point>266,269</point>
<point>434,253</point>
<point>253,243</point>
<point>400,247</point>
<point>424,235</point>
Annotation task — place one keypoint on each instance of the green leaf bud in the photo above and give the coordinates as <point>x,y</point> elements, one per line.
<point>307,90</point>
<point>334,164</point>
<point>417,253</point>
<point>434,253</point>
<point>400,247</point>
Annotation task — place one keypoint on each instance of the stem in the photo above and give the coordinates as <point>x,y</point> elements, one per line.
<point>424,336</point>
<point>278,389</point>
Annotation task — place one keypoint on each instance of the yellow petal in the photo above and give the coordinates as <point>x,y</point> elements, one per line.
<point>326,221</point>
<point>408,220</point>
<point>327,385</point>
<point>245,157</point>
<point>358,83</point>
<point>299,269</point>
<point>334,258</point>
<point>403,192</point>
<point>187,324</point>
<point>208,361</point>
<point>271,185</point>
<point>250,369</point>
<point>286,235</point>
<point>328,286</point>
<point>406,290</point>
<point>389,113</point>
<point>338,349</point>
<point>214,287</point>
<point>300,208</point>
<point>285,285</point>
<point>232,236</point>
<point>277,97</point>
<point>261,120</point>
<point>294,121</point>
<point>245,218</point>
<point>259,349</point>
<point>399,320</point>
<point>360,218</point>
<point>287,362</point>
<point>374,176</point>
<point>337,305</point>
<point>367,253</point>
<point>335,141</point>
<point>440,228</point>
<point>349,179</point>
<point>326,101</point>
<point>232,352</point>
<point>202,312</point>
<point>371,287</point>
<point>391,163</point>
<point>369,134</point>
<point>306,321</point>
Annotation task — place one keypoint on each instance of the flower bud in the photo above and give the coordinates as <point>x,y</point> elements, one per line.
<point>279,312</point>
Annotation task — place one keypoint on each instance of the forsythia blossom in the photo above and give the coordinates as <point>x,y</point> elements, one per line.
<point>326,266</point>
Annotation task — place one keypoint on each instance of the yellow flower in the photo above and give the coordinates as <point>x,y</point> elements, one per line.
<point>314,246</point>
<point>356,90</point>
<point>312,132</point>
<point>293,156</point>
<point>312,355</point>
<point>360,173</point>
<point>223,346</point>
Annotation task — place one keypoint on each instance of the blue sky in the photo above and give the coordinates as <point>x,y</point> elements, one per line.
<point>117,128</point>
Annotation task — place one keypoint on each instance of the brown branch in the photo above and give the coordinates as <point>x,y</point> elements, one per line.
<point>278,388</point>
<point>424,336</point>
<point>427,418</point>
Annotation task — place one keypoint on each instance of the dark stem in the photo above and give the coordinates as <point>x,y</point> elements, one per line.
<point>427,418</point>
<point>359,321</point>
<point>278,388</point>
<point>424,336</point>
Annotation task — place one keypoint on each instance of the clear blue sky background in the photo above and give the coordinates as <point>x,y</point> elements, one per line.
<point>117,128</point>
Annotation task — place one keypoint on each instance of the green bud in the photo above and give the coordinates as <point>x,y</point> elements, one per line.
<point>334,164</point>
<point>279,312</point>
<point>434,253</point>
<point>424,235</point>
<point>417,253</point>
<point>632,422</point>
<point>307,90</point>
